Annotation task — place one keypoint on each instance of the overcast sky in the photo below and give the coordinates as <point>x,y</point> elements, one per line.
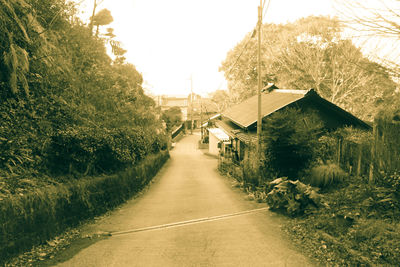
<point>170,40</point>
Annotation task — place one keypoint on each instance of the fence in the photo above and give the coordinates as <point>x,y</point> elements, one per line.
<point>177,131</point>
<point>373,155</point>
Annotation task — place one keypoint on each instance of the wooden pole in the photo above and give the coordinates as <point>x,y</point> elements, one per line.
<point>339,151</point>
<point>359,160</point>
<point>191,104</point>
<point>201,119</point>
<point>259,118</point>
<point>371,164</point>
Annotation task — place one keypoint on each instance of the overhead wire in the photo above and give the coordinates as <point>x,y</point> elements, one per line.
<point>265,11</point>
<point>247,42</point>
<point>241,53</point>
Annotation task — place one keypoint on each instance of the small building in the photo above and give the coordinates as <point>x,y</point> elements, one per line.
<point>216,139</point>
<point>240,121</point>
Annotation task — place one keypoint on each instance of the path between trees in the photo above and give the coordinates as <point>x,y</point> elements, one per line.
<point>189,188</point>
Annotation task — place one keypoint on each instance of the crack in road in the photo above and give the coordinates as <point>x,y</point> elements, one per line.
<point>188,222</point>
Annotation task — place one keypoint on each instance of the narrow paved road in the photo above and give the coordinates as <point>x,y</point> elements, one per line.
<point>189,187</point>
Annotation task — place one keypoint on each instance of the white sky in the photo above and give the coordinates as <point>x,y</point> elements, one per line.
<point>170,40</point>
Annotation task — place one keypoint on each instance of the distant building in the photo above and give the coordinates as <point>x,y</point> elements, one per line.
<point>193,107</point>
<point>167,102</point>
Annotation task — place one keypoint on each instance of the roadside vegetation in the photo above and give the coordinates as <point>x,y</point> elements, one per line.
<point>77,133</point>
<point>172,118</point>
<point>343,197</point>
<point>340,189</point>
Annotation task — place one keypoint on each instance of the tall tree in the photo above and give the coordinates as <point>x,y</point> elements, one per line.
<point>377,23</point>
<point>220,99</point>
<point>311,53</point>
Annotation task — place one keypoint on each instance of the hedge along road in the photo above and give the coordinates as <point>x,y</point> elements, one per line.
<point>190,216</point>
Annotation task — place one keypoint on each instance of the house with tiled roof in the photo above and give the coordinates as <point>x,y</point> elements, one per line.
<point>240,121</point>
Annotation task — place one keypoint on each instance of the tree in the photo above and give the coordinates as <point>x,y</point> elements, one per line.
<point>102,18</point>
<point>311,53</point>
<point>374,16</point>
<point>220,98</point>
<point>95,4</point>
<point>338,71</point>
<point>290,142</point>
<point>377,23</point>
<point>172,117</point>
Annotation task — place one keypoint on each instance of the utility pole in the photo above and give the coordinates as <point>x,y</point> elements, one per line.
<point>191,104</point>
<point>201,119</point>
<point>259,118</point>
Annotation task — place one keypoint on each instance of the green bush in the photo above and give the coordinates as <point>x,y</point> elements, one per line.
<point>94,150</point>
<point>32,218</point>
<point>326,151</point>
<point>327,175</point>
<point>172,118</point>
<point>290,139</point>
<point>292,197</point>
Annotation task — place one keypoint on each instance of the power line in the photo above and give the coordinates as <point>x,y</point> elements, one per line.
<point>252,35</point>
<point>241,53</point>
<point>248,41</point>
<point>265,11</point>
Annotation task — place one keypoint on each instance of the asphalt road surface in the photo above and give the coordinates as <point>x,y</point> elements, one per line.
<point>189,188</point>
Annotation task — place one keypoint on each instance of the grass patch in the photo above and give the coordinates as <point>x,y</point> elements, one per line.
<point>324,176</point>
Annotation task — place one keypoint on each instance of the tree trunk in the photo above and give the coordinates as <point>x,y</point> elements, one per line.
<point>91,19</point>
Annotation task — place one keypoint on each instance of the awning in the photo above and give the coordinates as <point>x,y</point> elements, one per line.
<point>219,134</point>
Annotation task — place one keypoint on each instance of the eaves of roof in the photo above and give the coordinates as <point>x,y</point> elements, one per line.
<point>219,134</point>
<point>228,127</point>
<point>247,137</point>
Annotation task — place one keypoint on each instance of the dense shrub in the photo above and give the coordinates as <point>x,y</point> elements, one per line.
<point>93,150</point>
<point>290,139</point>
<point>32,218</point>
